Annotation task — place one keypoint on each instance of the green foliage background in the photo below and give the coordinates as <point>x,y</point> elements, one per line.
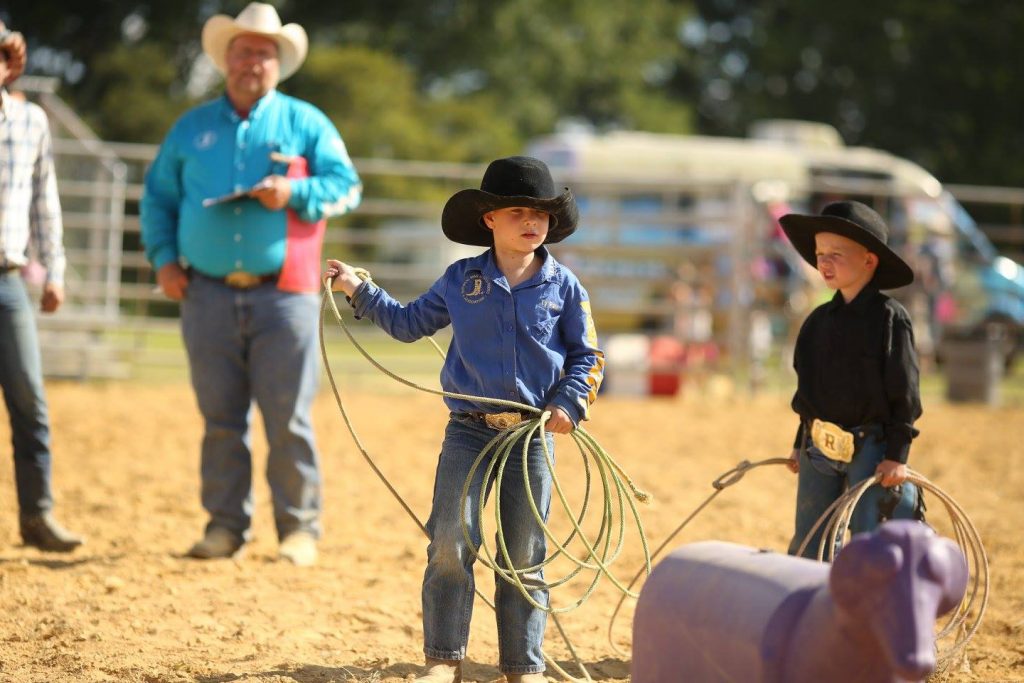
<point>468,80</point>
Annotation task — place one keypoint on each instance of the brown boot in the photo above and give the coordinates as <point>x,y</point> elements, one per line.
<point>216,543</point>
<point>42,531</point>
<point>526,678</point>
<point>441,671</point>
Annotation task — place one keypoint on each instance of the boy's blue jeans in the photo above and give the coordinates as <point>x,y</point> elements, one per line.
<point>822,481</point>
<point>21,377</point>
<point>448,580</point>
<point>256,344</point>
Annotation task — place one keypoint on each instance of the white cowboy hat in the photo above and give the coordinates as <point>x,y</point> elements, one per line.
<point>261,19</point>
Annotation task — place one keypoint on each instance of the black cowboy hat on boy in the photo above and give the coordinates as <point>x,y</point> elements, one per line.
<point>512,181</point>
<point>857,222</point>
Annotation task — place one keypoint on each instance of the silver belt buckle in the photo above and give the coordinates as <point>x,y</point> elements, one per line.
<point>241,280</point>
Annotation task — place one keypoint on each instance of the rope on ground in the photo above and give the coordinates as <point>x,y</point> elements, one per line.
<point>601,551</point>
<point>724,481</point>
<point>836,519</point>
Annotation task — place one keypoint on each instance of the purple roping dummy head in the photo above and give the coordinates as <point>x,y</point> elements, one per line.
<point>717,611</point>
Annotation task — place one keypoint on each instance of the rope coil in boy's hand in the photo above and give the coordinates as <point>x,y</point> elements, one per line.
<point>837,519</point>
<point>600,551</point>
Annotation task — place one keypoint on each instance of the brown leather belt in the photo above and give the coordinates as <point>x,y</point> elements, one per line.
<point>240,279</point>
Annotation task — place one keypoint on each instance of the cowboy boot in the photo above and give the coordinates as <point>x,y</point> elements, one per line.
<point>526,678</point>
<point>217,542</point>
<point>441,671</point>
<point>42,531</point>
<point>299,548</point>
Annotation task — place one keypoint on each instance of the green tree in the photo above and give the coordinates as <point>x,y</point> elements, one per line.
<point>487,73</point>
<point>598,61</point>
<point>132,103</point>
<point>372,98</point>
<point>935,81</point>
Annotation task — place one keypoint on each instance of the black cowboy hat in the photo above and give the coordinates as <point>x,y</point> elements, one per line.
<point>512,181</point>
<point>857,222</point>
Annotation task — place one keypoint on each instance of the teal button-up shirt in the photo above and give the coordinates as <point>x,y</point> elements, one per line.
<point>212,151</point>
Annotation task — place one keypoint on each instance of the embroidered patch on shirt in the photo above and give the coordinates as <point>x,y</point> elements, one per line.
<point>205,140</point>
<point>475,288</point>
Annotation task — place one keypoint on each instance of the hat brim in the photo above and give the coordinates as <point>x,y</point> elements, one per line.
<point>892,271</point>
<point>462,218</point>
<point>220,30</point>
<point>15,59</point>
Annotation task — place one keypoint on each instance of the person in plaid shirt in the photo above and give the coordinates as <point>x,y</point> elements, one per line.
<point>29,216</point>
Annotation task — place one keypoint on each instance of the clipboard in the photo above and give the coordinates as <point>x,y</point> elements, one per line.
<point>232,196</point>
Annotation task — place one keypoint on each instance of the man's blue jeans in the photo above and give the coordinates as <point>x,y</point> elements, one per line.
<point>257,344</point>
<point>822,481</point>
<point>448,581</point>
<point>21,377</point>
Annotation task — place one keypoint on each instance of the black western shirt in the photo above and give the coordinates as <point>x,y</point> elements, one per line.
<point>856,365</point>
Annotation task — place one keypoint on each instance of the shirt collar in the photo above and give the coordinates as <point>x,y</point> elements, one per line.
<point>545,274</point>
<point>547,269</point>
<point>254,113</point>
<point>5,104</point>
<point>859,303</point>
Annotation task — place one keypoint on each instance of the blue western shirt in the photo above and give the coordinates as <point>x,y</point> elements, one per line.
<point>211,151</point>
<point>535,343</point>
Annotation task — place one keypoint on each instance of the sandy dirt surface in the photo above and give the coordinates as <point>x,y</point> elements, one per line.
<point>128,607</point>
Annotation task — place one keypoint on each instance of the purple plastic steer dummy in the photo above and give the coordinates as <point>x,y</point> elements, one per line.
<point>717,611</point>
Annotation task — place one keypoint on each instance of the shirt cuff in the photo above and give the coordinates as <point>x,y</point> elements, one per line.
<point>299,197</point>
<point>363,298</point>
<point>164,256</point>
<point>897,449</point>
<point>569,406</point>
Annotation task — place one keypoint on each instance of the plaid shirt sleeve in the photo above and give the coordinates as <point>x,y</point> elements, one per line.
<point>46,224</point>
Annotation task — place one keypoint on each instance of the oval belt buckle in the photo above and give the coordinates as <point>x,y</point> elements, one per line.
<point>502,420</point>
<point>241,280</point>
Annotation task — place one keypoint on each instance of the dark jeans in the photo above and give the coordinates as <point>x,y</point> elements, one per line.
<point>822,481</point>
<point>21,378</point>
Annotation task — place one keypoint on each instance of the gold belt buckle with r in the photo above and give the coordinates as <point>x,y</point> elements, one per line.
<point>832,440</point>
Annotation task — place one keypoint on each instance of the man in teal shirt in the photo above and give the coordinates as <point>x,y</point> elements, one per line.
<point>232,221</point>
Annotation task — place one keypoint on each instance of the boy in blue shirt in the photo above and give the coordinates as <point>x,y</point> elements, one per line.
<point>522,331</point>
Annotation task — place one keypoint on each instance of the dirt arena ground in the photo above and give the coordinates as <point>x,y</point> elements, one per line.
<point>128,607</point>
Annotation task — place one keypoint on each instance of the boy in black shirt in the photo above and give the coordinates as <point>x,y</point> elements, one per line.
<point>857,375</point>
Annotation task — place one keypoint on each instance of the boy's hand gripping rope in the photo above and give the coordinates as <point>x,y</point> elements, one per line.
<point>837,519</point>
<point>600,552</point>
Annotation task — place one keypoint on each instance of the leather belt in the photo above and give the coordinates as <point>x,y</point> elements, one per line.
<point>240,279</point>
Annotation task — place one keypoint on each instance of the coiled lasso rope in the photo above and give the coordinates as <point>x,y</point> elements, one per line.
<point>837,519</point>
<point>600,552</point>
